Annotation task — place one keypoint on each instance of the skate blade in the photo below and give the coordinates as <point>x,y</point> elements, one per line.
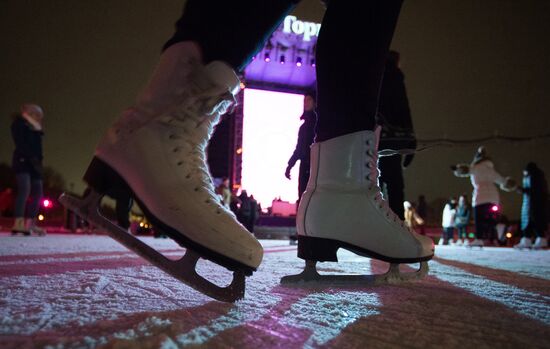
<point>310,276</point>
<point>182,269</point>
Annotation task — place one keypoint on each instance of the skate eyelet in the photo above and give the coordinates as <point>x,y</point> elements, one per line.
<point>175,150</point>
<point>196,189</point>
<point>180,163</point>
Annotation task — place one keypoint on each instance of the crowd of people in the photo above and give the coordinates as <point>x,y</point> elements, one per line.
<point>490,224</point>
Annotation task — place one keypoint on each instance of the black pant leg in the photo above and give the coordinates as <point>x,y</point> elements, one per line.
<point>230,31</point>
<point>351,54</point>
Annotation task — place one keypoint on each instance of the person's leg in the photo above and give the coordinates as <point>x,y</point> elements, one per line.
<point>342,205</point>
<point>229,31</point>
<point>351,54</point>
<point>478,220</point>
<point>34,206</point>
<point>36,197</point>
<point>23,181</point>
<point>155,152</point>
<point>392,175</point>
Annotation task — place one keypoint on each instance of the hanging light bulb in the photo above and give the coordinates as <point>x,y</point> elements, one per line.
<point>267,59</point>
<point>282,59</point>
<point>299,61</point>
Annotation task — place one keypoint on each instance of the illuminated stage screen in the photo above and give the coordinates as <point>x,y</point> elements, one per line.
<point>270,132</point>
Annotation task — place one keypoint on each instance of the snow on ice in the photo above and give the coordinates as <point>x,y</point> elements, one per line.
<point>75,291</point>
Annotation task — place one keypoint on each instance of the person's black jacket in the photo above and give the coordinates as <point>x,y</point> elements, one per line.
<point>27,156</point>
<point>306,135</point>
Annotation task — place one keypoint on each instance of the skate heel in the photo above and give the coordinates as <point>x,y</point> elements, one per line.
<point>317,249</point>
<point>104,180</point>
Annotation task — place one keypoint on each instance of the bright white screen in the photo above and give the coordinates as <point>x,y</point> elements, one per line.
<point>270,132</point>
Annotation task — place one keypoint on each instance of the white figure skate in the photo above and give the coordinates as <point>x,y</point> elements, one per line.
<point>524,243</point>
<point>540,243</point>
<point>474,243</point>
<point>342,207</point>
<point>33,228</point>
<point>155,154</point>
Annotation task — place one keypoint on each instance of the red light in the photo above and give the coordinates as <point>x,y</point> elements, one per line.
<point>494,208</point>
<point>47,203</point>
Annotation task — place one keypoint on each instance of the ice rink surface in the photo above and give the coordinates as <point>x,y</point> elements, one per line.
<point>86,291</point>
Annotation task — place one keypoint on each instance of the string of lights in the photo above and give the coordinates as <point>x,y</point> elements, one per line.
<point>425,144</point>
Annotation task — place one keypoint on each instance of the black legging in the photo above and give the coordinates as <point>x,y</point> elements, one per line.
<point>351,50</point>
<point>485,220</point>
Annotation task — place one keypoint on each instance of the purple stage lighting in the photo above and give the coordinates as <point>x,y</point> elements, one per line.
<point>299,61</point>
<point>267,59</point>
<point>282,59</point>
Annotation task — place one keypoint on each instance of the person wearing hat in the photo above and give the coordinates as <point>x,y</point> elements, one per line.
<point>27,133</point>
<point>534,217</point>
<point>485,197</point>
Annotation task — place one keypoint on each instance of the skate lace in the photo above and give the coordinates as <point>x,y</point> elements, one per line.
<point>372,178</point>
<point>190,129</point>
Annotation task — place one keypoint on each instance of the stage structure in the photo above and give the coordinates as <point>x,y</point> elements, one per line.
<point>285,65</point>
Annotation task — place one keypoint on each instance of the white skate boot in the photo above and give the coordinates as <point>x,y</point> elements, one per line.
<point>343,207</point>
<point>156,154</point>
<point>474,243</point>
<point>525,242</point>
<point>540,243</point>
<point>19,227</point>
<point>31,226</point>
<point>459,242</point>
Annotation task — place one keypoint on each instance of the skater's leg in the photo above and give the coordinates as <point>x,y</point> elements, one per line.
<point>478,221</point>
<point>343,176</point>
<point>351,54</point>
<point>226,31</point>
<point>155,152</point>
<point>23,180</point>
<point>229,31</point>
<point>36,195</point>
<point>34,205</point>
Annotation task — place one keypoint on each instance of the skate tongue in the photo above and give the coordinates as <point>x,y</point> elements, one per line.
<point>223,75</point>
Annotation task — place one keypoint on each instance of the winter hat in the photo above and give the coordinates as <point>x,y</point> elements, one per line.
<point>33,114</point>
<point>480,155</point>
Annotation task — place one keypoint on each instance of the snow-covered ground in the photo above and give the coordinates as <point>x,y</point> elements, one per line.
<point>68,291</point>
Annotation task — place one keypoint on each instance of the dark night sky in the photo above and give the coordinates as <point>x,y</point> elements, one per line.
<point>473,67</point>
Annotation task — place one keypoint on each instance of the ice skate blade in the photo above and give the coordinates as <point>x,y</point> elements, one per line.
<point>310,276</point>
<point>182,269</point>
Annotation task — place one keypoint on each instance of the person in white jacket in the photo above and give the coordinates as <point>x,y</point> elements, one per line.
<point>485,197</point>
<point>448,222</point>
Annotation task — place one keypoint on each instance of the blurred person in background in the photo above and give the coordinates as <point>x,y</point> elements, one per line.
<point>485,198</point>
<point>534,220</point>
<point>462,218</point>
<point>448,222</point>
<point>27,132</point>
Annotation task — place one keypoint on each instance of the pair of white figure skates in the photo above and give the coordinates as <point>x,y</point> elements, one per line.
<point>155,154</point>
